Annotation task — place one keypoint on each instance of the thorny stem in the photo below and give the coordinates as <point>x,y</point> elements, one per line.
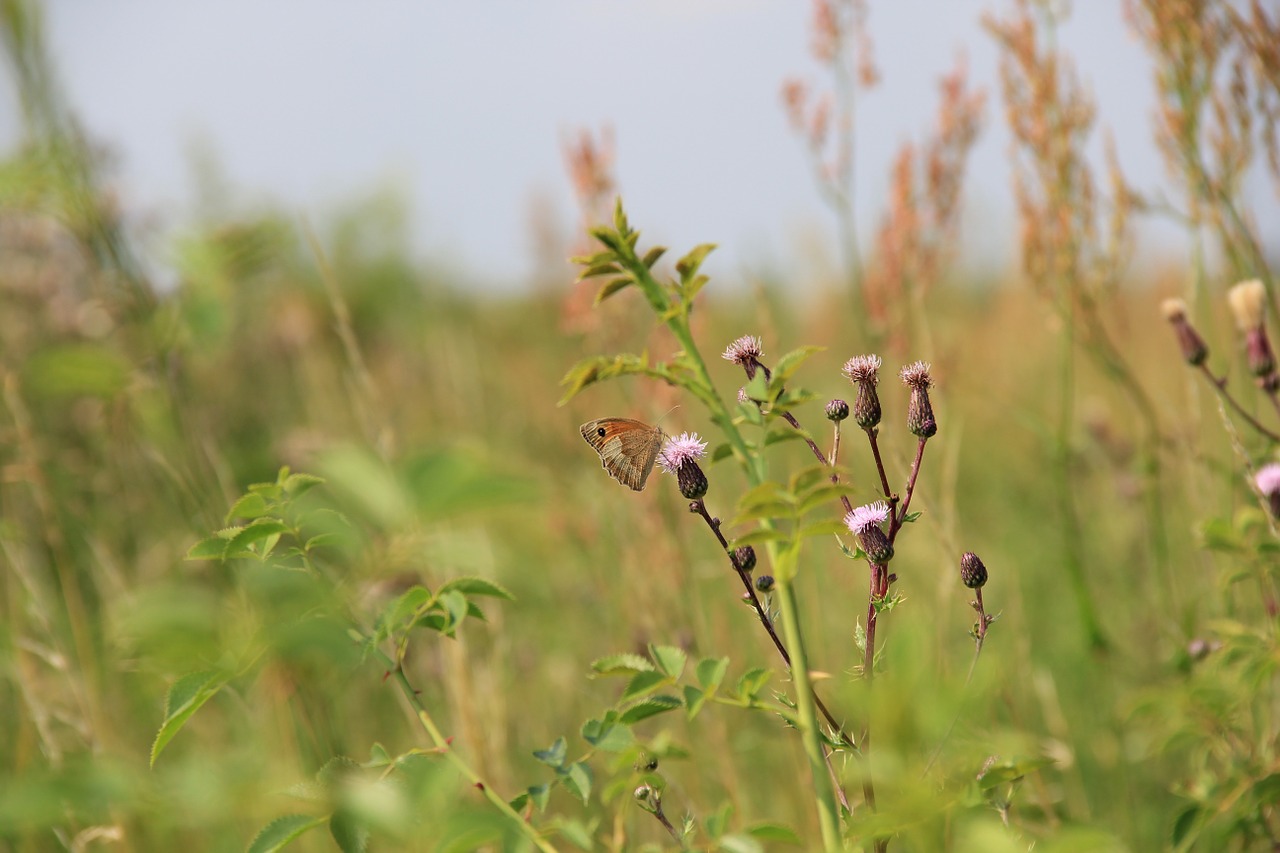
<point>445,747</point>
<point>1220,385</point>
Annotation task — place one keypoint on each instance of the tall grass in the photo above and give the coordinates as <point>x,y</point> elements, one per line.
<point>1124,699</point>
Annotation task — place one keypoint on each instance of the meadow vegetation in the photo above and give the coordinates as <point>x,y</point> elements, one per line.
<point>306,550</point>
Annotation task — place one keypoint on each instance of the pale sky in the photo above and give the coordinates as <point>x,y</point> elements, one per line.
<point>461,106</point>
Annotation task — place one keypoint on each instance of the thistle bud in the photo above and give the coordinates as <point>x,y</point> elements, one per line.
<point>764,583</point>
<point>972,571</point>
<point>864,523</point>
<point>1194,349</point>
<point>837,410</point>
<point>920,419</point>
<point>864,372</point>
<point>693,483</point>
<point>745,557</point>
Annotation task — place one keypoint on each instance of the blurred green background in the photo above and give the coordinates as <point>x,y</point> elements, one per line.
<point>132,417</point>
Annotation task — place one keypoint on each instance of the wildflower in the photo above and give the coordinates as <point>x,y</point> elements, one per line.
<point>837,410</point>
<point>1194,349</point>
<point>764,583</point>
<point>972,571</point>
<point>864,372</point>
<point>745,558</point>
<point>679,456</point>
<point>745,352</point>
<point>864,523</point>
<point>1267,479</point>
<point>1248,301</point>
<point>920,419</point>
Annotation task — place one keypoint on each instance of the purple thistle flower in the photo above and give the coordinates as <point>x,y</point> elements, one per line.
<point>745,351</point>
<point>916,376</point>
<point>678,450</point>
<point>871,515</point>
<point>863,368</point>
<point>864,522</point>
<point>1268,479</point>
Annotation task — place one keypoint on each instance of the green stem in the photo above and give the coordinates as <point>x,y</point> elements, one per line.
<point>824,791</point>
<point>446,748</point>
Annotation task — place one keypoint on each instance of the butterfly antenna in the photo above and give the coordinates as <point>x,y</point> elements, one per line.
<point>669,411</point>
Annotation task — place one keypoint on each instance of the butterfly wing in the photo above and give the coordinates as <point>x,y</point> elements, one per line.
<point>627,448</point>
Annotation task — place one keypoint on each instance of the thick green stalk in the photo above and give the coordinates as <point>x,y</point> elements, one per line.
<point>824,791</point>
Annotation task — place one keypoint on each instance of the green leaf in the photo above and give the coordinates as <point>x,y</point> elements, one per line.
<point>693,700</point>
<point>710,672</point>
<point>822,496</point>
<point>911,516</point>
<point>649,708</point>
<point>251,505</point>
<point>688,265</point>
<point>609,288</point>
<point>299,484</point>
<point>752,682</point>
<point>261,530</point>
<point>693,286</point>
<point>208,549</point>
<point>722,451</point>
<point>790,363</point>
<point>456,605</point>
<point>718,822</point>
<point>651,257</point>
<point>554,755</point>
<point>607,735</point>
<point>185,697</point>
<point>350,834</point>
<point>540,794</point>
<point>598,368</point>
<point>778,436</point>
<point>669,659</point>
<point>774,832</point>
<point>623,664</point>
<point>757,388</point>
<point>577,780</point>
<point>281,832</point>
<point>620,217</point>
<point>642,683</point>
<point>608,268</point>
<point>477,586</point>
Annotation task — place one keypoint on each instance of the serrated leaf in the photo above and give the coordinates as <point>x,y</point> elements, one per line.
<point>751,682</point>
<point>577,780</point>
<point>651,257</point>
<point>648,708</point>
<point>350,833</point>
<point>554,755</point>
<point>670,659</point>
<point>185,697</point>
<point>710,672</point>
<point>623,664</point>
<point>207,549</point>
<point>609,288</point>
<point>456,605</point>
<point>261,530</point>
<point>403,608</point>
<point>248,506</point>
<point>281,832</point>
<point>642,683</point>
<point>477,586</point>
<point>607,735</point>
<point>299,484</point>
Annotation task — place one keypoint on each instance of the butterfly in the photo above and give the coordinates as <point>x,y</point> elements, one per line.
<point>627,448</point>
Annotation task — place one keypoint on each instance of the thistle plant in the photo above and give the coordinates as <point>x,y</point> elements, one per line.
<point>777,517</point>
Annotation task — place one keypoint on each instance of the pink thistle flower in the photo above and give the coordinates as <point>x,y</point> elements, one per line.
<point>871,515</point>
<point>745,352</point>
<point>864,522</point>
<point>679,450</point>
<point>1267,479</point>
<point>863,368</point>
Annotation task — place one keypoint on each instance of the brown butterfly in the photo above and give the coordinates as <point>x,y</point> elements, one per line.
<point>627,448</point>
